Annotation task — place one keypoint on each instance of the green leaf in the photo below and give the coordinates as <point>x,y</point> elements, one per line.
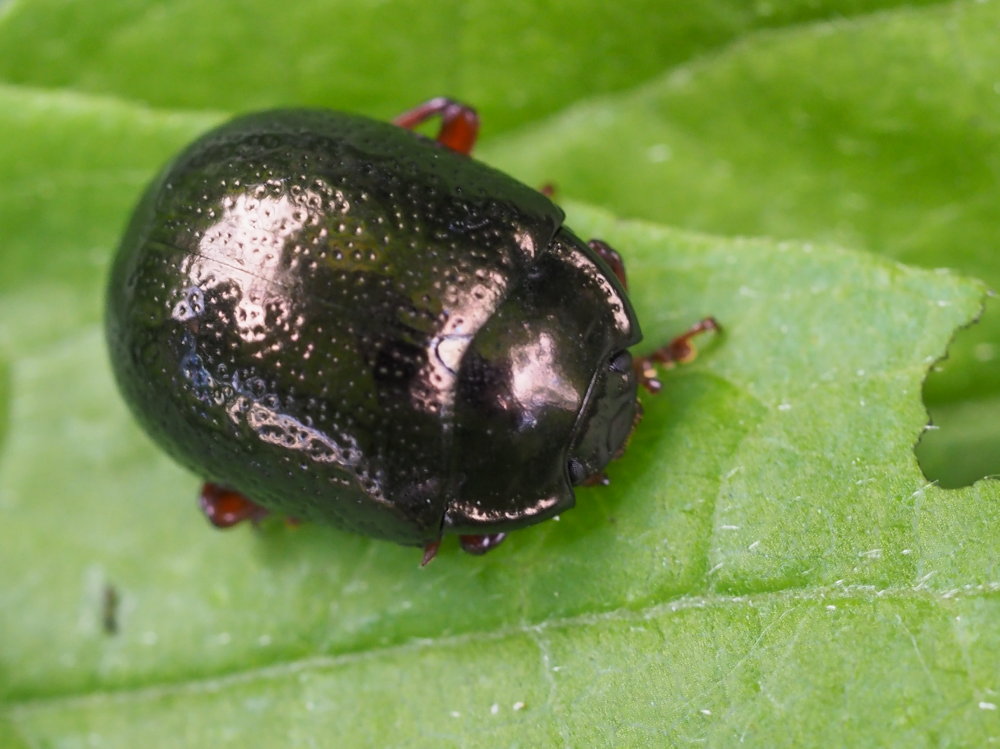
<point>768,565</point>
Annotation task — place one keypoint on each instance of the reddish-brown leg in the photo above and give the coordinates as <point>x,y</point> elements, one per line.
<point>479,545</point>
<point>430,551</point>
<point>225,508</point>
<point>678,351</point>
<point>459,123</point>
<point>598,479</point>
<point>608,254</point>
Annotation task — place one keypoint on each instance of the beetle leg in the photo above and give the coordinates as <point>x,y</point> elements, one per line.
<point>678,351</point>
<point>459,122</point>
<point>430,551</point>
<point>225,508</point>
<point>598,479</point>
<point>479,545</point>
<point>608,254</point>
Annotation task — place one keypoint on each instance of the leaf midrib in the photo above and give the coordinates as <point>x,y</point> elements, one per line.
<point>829,595</point>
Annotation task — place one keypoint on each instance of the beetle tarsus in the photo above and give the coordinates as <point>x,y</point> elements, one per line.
<point>459,122</point>
<point>679,351</point>
<point>225,508</point>
<point>430,551</point>
<point>598,479</point>
<point>479,545</point>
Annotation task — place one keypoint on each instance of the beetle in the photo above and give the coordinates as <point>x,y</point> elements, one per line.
<point>344,321</point>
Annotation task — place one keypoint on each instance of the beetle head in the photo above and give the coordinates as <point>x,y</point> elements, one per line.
<point>608,419</point>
